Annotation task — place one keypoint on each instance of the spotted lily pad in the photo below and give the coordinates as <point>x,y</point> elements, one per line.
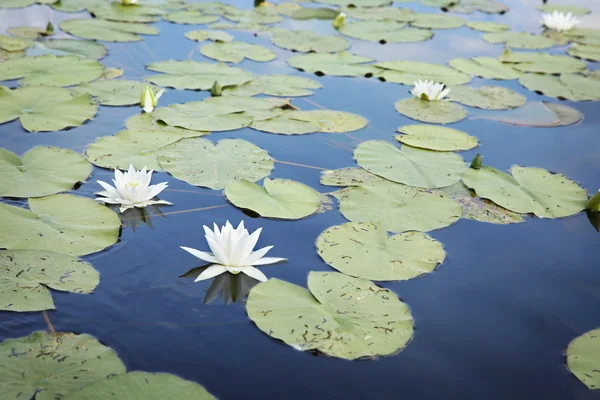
<point>308,41</point>
<point>387,31</point>
<point>27,275</point>
<point>583,358</point>
<point>8,43</point>
<point>113,92</point>
<point>42,108</point>
<point>528,190</point>
<point>587,52</point>
<point>486,26</point>
<point>487,97</point>
<point>51,70</point>
<point>437,21</point>
<point>519,40</point>
<point>545,63</point>
<point>568,86</point>
<point>115,11</point>
<point>407,72</point>
<point>235,52</point>
<point>196,75</point>
<point>67,47</point>
<point>279,198</point>
<point>340,316</point>
<point>109,31</point>
<point>350,176</point>
<point>433,137</point>
<point>48,366</point>
<point>202,35</point>
<point>435,112</point>
<point>337,64</point>
<point>191,17</point>
<point>275,85</point>
<point>363,249</point>
<point>23,3</point>
<point>42,171</point>
<point>485,67</point>
<point>564,8</point>
<point>200,162</point>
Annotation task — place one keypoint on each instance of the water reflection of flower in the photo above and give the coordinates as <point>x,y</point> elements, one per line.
<point>136,217</point>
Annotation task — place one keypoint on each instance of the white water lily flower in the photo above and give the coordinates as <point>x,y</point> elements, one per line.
<point>429,90</point>
<point>149,99</point>
<point>132,189</point>
<point>232,252</point>
<point>560,21</point>
<point>339,20</point>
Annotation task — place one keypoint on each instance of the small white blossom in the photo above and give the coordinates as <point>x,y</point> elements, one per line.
<point>429,90</point>
<point>559,21</point>
<point>149,99</point>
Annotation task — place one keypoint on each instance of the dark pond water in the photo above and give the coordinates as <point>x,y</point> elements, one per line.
<point>492,322</point>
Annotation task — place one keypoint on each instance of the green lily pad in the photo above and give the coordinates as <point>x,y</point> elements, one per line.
<point>42,108</point>
<point>145,123</point>
<point>340,316</point>
<point>407,72</point>
<point>75,6</point>
<point>42,171</point>
<point>202,35</point>
<point>387,31</point>
<point>242,26</point>
<point>34,365</point>
<point>109,31</point>
<point>437,21</point>
<point>410,165</point>
<point>485,6</point>
<point>519,40</point>
<point>487,97</point>
<point>67,47</point>
<point>357,3</point>
<point>28,32</point>
<point>27,275</point>
<point>583,35</point>
<point>583,358</point>
<point>332,121</point>
<point>236,52</point>
<point>8,43</point>
<point>279,198</point>
<point>351,176</point>
<point>142,385</point>
<point>337,64</point>
<point>433,137</point>
<point>564,8</point>
<point>62,222</point>
<point>113,93</point>
<point>196,75</point>
<point>545,63</point>
<point>363,250</point>
<point>380,14</point>
<point>528,190</point>
<point>210,7</point>
<point>286,124</point>
<point>51,70</point>
<point>191,17</point>
<point>532,113</point>
<point>255,16</point>
<point>10,55</point>
<point>485,67</point>
<point>587,52</point>
<point>23,3</point>
<point>199,162</point>
<point>275,85</point>
<point>486,26</point>
<point>399,208</point>
<point>568,86</point>
<point>115,11</point>
<point>435,112</point>
<point>306,13</point>
<point>307,41</point>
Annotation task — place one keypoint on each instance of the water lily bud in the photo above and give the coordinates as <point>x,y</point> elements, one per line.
<point>49,28</point>
<point>507,51</point>
<point>149,100</point>
<point>339,21</point>
<point>216,89</point>
<point>476,162</point>
<point>593,203</point>
<point>128,2</point>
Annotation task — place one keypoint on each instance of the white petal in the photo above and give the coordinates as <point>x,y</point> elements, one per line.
<point>257,255</point>
<point>154,190</point>
<point>255,273</point>
<point>157,96</point>
<point>269,260</point>
<point>218,251</point>
<point>211,272</point>
<point>201,255</point>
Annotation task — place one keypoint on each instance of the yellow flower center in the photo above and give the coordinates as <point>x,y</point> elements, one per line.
<point>133,184</point>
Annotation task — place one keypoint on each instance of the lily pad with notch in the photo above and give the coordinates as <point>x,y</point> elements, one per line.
<point>67,47</point>
<point>488,27</point>
<point>572,87</point>
<point>519,40</point>
<point>583,358</point>
<point>118,12</point>
<point>437,21</point>
<point>113,92</point>
<point>542,63</point>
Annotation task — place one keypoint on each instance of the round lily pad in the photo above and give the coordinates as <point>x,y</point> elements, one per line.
<point>487,97</point>
<point>113,92</point>
<point>202,35</point>
<point>275,85</point>
<point>200,162</point>
<point>236,52</point>
<point>407,72</point>
<point>527,61</point>
<point>196,75</point>
<point>528,190</point>
<point>42,108</point>
<point>568,86</point>
<point>433,137</point>
<point>109,31</point>
<point>583,358</point>
<point>116,11</point>
<point>437,21</point>
<point>48,366</point>
<point>337,64</point>
<point>387,31</point>
<point>435,112</point>
<point>27,275</point>
<point>564,8</point>
<point>350,176</point>
<point>340,316</point>
<point>191,17</point>
<point>363,250</point>
<point>308,41</point>
<point>486,26</point>
<point>587,52</point>
<point>279,198</point>
<point>410,165</point>
<point>61,222</point>
<point>51,70</point>
<point>485,6</point>
<point>485,67</point>
<point>43,170</point>
<point>65,47</point>
<point>519,40</point>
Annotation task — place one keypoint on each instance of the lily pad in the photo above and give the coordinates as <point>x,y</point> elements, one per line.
<point>566,115</point>
<point>42,171</point>
<point>306,13</point>
<point>487,97</point>
<point>485,6</point>
<point>433,137</point>
<point>109,31</point>
<point>583,35</point>
<point>435,112</point>
<point>142,385</point>
<point>545,63</point>
<point>190,17</point>
<point>275,85</point>
<point>407,72</point>
<point>196,75</point>
<point>115,11</point>
<point>337,64</point>
<point>437,21</point>
<point>235,52</point>
<point>380,14</point>
<point>332,121</point>
<point>485,67</point>
<point>34,365</point>
<point>387,31</point>
<point>587,52</point>
<point>42,108</point>
<point>307,41</point>
<point>286,124</point>
<point>583,358</point>
<point>350,176</point>
<point>8,43</point>
<point>145,123</point>
<point>340,316</point>
<point>568,86</point>
<point>363,250</point>
<point>51,70</point>
<point>528,190</point>
<point>75,6</point>
<point>519,40</point>
<point>113,93</point>
<point>27,32</point>
<point>23,3</point>
<point>67,47</point>
<point>62,222</point>
<point>279,198</point>
<point>486,26</point>
<point>199,162</point>
<point>27,275</point>
<point>532,113</point>
<point>357,3</point>
<point>564,8</point>
<point>255,16</point>
<point>410,165</point>
<point>202,35</point>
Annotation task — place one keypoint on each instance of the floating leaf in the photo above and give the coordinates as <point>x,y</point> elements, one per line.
<point>487,97</point>
<point>202,35</point>
<point>23,3</point>
<point>528,190</point>
<point>235,52</point>
<point>48,366</point>
<point>42,171</point>
<point>286,124</point>
<point>437,21</point>
<point>8,43</point>
<point>275,85</point>
<point>27,32</point>
<point>435,137</point>
<point>583,35</point>
<point>51,70</point>
<point>256,16</point>
<point>564,8</point>
<point>315,13</point>
<point>307,41</point>
<point>199,162</point>
<point>113,93</point>
<point>533,113</point>
<point>196,75</point>
<point>350,176</point>
<point>109,31</point>
<point>387,31</point>
<point>435,112</point>
<point>62,223</point>
<point>407,72</point>
<point>75,6</point>
<point>115,11</point>
<point>279,198</point>
<point>242,26</point>
<point>26,276</point>
<point>410,165</point>
<point>42,108</point>
<point>569,86</point>
<point>485,67</point>
<point>583,358</point>
<point>357,3</point>
<point>587,52</point>
<point>469,6</point>
<point>566,115</point>
<point>542,62</point>
<point>519,40</point>
<point>381,13</point>
<point>338,64</point>
<point>191,17</point>
<point>363,250</point>
<point>485,26</point>
<point>341,316</point>
<point>67,47</point>
<point>332,121</point>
